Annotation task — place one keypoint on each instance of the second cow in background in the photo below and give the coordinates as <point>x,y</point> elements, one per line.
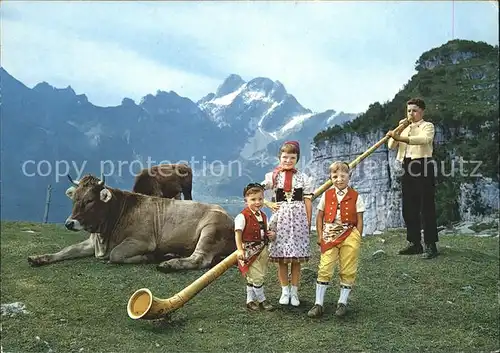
<point>165,180</point>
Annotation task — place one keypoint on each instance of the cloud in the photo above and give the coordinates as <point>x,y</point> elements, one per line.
<point>105,71</point>
<point>341,55</point>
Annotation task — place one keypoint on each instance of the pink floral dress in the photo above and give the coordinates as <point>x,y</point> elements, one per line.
<point>290,221</point>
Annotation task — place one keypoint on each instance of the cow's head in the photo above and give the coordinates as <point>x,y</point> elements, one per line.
<point>91,204</point>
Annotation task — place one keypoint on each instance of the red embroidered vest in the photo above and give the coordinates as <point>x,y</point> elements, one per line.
<point>252,226</point>
<point>348,214</point>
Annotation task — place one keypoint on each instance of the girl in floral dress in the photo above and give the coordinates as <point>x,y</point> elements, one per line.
<point>292,190</point>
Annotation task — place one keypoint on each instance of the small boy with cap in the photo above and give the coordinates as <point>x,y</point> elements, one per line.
<point>252,237</point>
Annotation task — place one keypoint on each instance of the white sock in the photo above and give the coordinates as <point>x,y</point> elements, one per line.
<point>285,290</point>
<point>320,293</point>
<point>344,294</point>
<point>249,294</point>
<point>294,290</point>
<point>259,293</point>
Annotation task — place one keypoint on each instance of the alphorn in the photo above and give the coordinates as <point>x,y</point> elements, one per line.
<point>143,305</point>
<point>362,156</point>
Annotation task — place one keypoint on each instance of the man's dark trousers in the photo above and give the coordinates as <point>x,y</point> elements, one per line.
<point>418,188</point>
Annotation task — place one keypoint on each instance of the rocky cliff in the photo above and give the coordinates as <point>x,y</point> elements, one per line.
<point>459,82</point>
<point>377,179</point>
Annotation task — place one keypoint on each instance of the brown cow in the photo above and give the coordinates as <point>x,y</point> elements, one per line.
<point>128,227</point>
<point>165,180</point>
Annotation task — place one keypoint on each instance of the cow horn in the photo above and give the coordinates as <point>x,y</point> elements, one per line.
<point>103,179</point>
<point>75,183</point>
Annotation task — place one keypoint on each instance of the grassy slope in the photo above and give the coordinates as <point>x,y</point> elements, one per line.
<point>400,304</point>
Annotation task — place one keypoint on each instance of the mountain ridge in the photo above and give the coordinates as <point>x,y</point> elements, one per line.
<point>46,124</point>
<point>233,134</point>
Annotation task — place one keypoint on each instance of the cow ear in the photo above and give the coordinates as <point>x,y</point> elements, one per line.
<point>70,192</point>
<point>105,195</point>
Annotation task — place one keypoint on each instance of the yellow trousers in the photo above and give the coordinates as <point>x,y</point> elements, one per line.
<point>347,254</point>
<point>258,269</point>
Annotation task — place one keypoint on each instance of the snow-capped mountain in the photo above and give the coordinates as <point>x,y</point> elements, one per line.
<point>240,125</point>
<point>264,112</point>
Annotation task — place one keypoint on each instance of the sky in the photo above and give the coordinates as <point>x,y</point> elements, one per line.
<point>328,54</point>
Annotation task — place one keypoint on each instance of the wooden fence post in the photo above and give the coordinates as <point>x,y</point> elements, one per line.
<point>47,204</point>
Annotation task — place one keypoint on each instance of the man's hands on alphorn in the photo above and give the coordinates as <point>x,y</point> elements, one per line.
<point>393,133</point>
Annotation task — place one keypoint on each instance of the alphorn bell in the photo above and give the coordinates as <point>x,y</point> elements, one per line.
<point>143,305</point>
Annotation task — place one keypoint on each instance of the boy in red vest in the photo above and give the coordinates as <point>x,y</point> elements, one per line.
<point>252,237</point>
<point>339,223</point>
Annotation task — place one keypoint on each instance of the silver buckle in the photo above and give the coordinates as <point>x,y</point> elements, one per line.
<point>289,195</point>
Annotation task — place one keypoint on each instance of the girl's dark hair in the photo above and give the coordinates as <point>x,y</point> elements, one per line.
<point>289,148</point>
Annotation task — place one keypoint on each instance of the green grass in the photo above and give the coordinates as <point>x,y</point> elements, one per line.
<point>479,227</point>
<point>400,304</point>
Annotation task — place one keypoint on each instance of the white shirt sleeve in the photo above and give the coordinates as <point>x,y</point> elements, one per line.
<point>239,222</point>
<point>268,181</point>
<point>321,204</point>
<point>308,184</point>
<point>360,205</point>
